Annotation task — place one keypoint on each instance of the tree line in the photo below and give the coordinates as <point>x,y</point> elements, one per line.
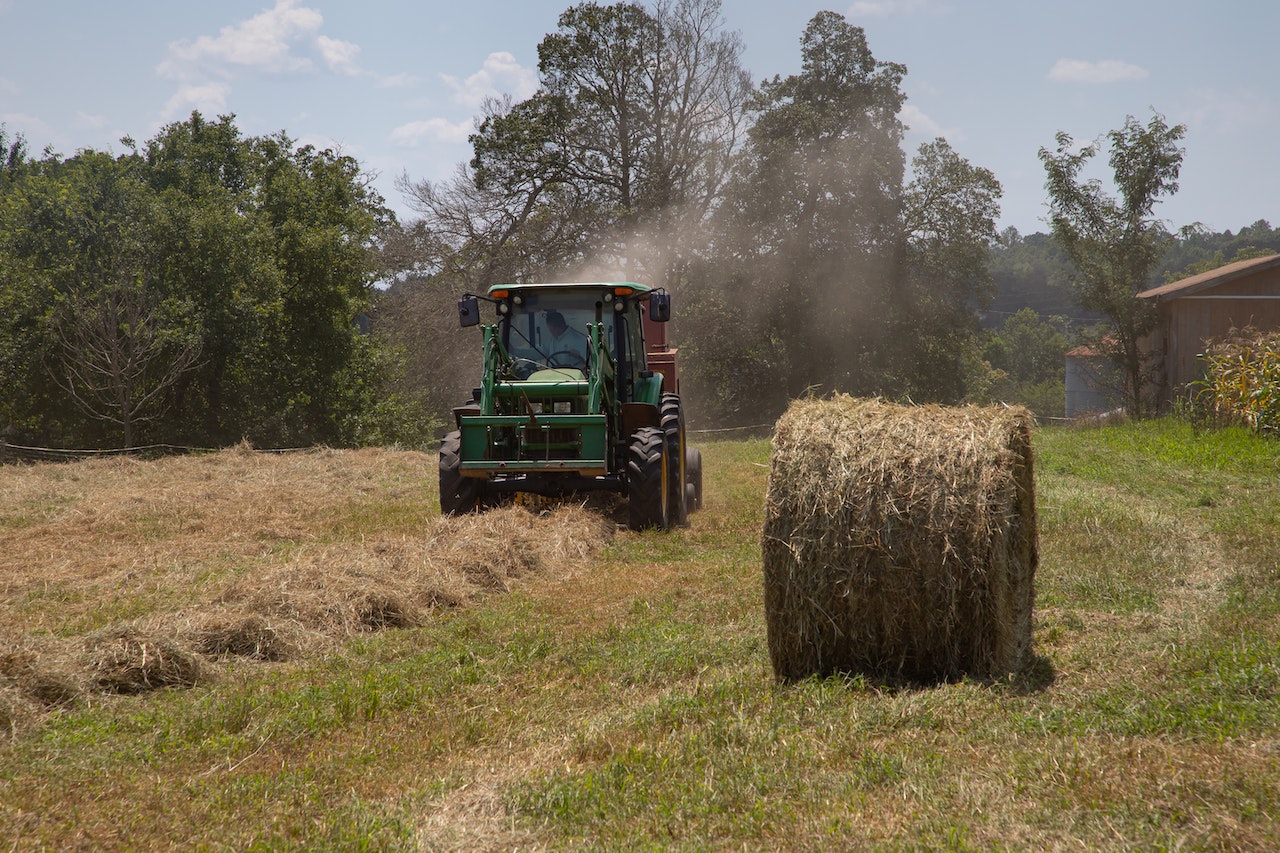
<point>206,287</point>
<point>202,289</point>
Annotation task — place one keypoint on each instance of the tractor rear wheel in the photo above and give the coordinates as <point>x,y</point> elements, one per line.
<point>671,416</point>
<point>647,473</point>
<point>458,494</point>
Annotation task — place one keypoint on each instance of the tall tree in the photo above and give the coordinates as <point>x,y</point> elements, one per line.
<point>949,214</point>
<point>1116,242</point>
<point>633,126</point>
<point>829,268</point>
<point>810,233</point>
<point>273,243</point>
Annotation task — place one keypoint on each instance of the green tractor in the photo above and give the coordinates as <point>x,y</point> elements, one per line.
<point>579,393</point>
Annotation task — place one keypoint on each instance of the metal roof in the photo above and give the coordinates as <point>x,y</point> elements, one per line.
<point>1212,278</point>
<point>551,285</point>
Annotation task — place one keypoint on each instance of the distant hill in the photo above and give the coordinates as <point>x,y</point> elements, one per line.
<point>1032,271</point>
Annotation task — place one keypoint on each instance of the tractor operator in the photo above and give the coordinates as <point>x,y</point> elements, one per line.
<point>568,347</point>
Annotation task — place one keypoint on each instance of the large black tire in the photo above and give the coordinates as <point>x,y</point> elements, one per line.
<point>671,417</point>
<point>647,489</point>
<point>458,494</point>
<point>693,473</point>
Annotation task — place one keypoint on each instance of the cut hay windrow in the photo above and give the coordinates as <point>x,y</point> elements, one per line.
<point>240,556</point>
<point>899,542</point>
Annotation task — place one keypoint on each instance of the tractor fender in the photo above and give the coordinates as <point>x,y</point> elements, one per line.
<point>637,415</point>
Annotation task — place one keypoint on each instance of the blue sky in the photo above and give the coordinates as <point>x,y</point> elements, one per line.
<point>396,83</point>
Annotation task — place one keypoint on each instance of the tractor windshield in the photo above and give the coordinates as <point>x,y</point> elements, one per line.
<point>549,329</point>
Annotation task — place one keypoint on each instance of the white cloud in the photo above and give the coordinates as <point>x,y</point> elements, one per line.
<point>884,8</point>
<point>208,98</point>
<point>339,56</point>
<point>265,41</point>
<point>918,122</point>
<point>88,121</point>
<point>500,75</point>
<point>416,133</point>
<point>1104,71</point>
<point>920,125</point>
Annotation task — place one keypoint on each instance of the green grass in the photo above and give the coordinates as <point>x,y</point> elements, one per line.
<point>631,707</point>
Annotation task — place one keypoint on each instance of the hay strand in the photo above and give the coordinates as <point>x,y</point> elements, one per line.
<point>899,541</point>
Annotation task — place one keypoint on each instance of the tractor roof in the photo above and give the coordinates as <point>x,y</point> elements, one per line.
<point>572,285</point>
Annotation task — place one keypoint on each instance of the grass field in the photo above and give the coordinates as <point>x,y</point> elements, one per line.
<point>544,680</point>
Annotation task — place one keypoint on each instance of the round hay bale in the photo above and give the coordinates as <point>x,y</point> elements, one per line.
<point>899,542</point>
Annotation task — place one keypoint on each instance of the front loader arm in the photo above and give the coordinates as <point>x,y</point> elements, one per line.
<point>497,364</point>
<point>602,395</point>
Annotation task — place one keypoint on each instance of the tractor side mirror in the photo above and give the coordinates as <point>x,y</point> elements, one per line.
<point>468,311</point>
<point>659,306</point>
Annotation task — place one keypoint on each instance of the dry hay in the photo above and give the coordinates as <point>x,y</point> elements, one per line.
<point>251,636</point>
<point>17,712</point>
<point>263,557</point>
<point>397,582</point>
<point>899,541</point>
<point>122,659</point>
<point>30,687</point>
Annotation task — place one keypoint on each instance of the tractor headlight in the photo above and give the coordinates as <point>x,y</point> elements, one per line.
<point>563,407</point>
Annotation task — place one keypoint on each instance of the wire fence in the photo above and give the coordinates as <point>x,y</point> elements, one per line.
<point>24,453</point>
<point>21,453</point>
<point>762,427</point>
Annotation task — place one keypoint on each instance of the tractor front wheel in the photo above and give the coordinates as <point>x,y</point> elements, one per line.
<point>647,473</point>
<point>458,494</point>
<point>693,471</point>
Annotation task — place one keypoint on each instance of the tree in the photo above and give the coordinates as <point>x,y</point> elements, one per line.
<point>13,157</point>
<point>273,244</point>
<point>610,169</point>
<point>1115,242</point>
<point>949,213</point>
<point>117,356</point>
<point>253,252</point>
<point>808,238</point>
<point>830,270</point>
<point>631,132</point>
<point>82,301</point>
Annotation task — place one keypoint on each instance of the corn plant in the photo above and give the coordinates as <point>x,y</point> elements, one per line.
<point>1242,381</point>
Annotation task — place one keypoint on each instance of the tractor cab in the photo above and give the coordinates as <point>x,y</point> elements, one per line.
<point>549,327</point>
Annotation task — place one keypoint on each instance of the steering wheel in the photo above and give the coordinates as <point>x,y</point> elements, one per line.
<point>572,358</point>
